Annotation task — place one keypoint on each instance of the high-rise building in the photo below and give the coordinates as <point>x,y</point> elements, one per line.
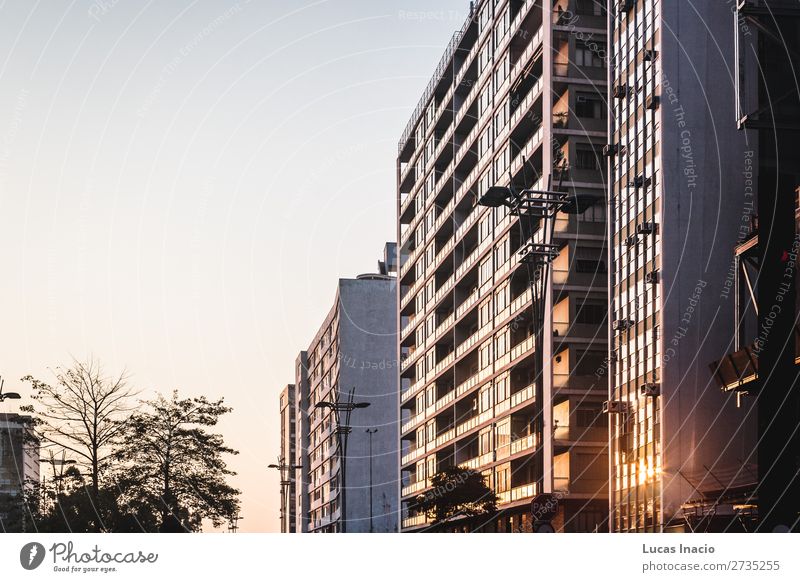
<point>286,460</point>
<point>761,367</point>
<point>516,100</point>
<point>19,464</point>
<point>346,385</point>
<point>678,202</point>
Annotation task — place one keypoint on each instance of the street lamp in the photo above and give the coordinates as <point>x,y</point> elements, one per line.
<point>7,395</point>
<point>370,432</point>
<point>286,480</point>
<point>58,479</point>
<point>342,432</point>
<point>532,207</point>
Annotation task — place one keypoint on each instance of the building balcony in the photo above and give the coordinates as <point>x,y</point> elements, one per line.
<point>528,443</point>
<point>412,455</point>
<point>414,521</point>
<point>412,389</point>
<point>413,422</point>
<point>415,487</point>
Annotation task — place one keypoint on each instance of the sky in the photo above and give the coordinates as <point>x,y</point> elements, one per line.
<point>183,182</point>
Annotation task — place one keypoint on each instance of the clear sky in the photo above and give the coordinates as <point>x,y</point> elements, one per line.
<point>182,182</point>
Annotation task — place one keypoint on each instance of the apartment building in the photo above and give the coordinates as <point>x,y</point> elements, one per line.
<point>678,199</point>
<point>19,463</point>
<point>339,485</point>
<point>286,459</point>
<point>516,100</point>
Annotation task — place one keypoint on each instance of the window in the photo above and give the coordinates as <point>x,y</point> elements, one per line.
<point>430,360</point>
<point>484,57</point>
<point>485,313</point>
<point>501,252</point>
<point>485,227</point>
<point>501,119</point>
<point>589,55</point>
<point>485,355</point>
<point>501,389</point>
<point>589,105</point>
<point>485,99</point>
<point>430,431</point>
<point>485,441</point>
<point>501,299</point>
<point>589,417</point>
<point>591,313</point>
<point>502,437</point>
<point>485,141</point>
<point>486,271</point>
<point>420,402</point>
<point>430,325</point>
<point>430,391</point>
<point>501,343</point>
<point>586,158</point>
<point>503,478</point>
<point>590,266</point>
<point>420,437</point>
<point>485,398</point>
<point>500,73</point>
<point>589,7</point>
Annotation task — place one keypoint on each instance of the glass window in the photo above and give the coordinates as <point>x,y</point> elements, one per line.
<point>589,105</point>
<point>586,158</point>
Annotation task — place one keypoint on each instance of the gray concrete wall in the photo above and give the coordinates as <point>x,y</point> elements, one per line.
<point>368,348</point>
<point>702,206</point>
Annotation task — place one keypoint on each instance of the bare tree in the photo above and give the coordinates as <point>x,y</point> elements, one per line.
<point>81,413</point>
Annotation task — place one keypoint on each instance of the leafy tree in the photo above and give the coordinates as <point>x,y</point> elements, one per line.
<point>168,467</point>
<point>81,413</point>
<point>457,491</point>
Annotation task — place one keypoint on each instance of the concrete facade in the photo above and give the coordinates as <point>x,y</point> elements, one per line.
<point>355,348</point>
<point>517,99</point>
<point>677,200</point>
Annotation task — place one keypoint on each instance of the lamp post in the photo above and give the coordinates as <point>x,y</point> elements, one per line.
<point>343,430</point>
<point>532,207</point>
<point>7,395</point>
<point>284,469</point>
<point>370,432</point>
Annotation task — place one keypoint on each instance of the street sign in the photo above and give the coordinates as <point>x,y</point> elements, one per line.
<point>544,507</point>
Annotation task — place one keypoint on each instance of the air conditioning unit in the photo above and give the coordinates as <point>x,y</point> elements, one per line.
<point>616,407</point>
<point>640,181</point>
<point>652,277</point>
<point>632,241</point>
<point>620,91</point>
<point>650,55</point>
<point>611,149</point>
<point>647,228</point>
<point>621,324</point>
<point>650,389</point>
<point>651,102</point>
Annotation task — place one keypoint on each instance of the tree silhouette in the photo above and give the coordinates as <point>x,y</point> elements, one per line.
<point>81,413</point>
<point>168,466</point>
<point>456,491</point>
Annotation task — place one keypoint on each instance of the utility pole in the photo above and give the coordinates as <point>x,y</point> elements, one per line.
<point>343,430</point>
<point>370,432</point>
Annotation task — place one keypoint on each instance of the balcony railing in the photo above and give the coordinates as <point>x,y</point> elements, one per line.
<point>415,487</point>
<point>523,444</point>
<point>522,348</point>
<point>413,421</point>
<point>524,491</point>
<point>415,521</point>
<point>523,395</point>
